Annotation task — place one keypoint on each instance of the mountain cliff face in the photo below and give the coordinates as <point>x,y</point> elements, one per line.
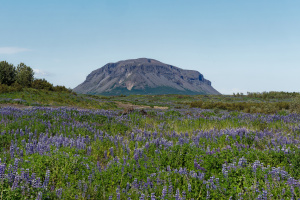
<point>144,76</point>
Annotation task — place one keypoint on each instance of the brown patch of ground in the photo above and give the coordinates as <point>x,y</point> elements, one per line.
<point>129,105</point>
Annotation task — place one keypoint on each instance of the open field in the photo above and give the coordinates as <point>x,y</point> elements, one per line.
<point>131,149</point>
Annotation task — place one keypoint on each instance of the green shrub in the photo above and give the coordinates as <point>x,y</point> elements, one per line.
<point>59,88</point>
<point>295,105</point>
<point>13,88</point>
<point>248,107</point>
<point>42,84</point>
<point>4,88</point>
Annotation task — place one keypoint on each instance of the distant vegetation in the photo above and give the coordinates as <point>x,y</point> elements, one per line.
<point>243,106</point>
<point>18,86</point>
<point>270,95</point>
<point>35,97</point>
<point>13,79</point>
<point>19,83</point>
<point>265,102</point>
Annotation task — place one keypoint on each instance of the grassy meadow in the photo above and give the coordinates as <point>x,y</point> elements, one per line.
<point>62,145</point>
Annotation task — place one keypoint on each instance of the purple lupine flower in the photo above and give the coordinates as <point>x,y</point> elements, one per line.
<point>149,183</point>
<point>189,187</point>
<point>207,194</point>
<point>142,197</point>
<point>177,194</point>
<point>171,189</point>
<point>164,192</point>
<point>79,184</point>
<point>168,168</point>
<point>183,195</point>
<point>136,156</point>
<point>46,181</point>
<point>38,182</point>
<point>96,188</point>
<point>118,194</point>
<point>90,177</point>
<point>127,187</point>
<point>98,166</point>
<point>265,194</point>
<point>111,151</point>
<point>89,150</point>
<point>16,183</point>
<point>135,183</point>
<point>105,154</point>
<point>255,165</point>
<point>85,186</point>
<point>2,170</point>
<point>242,162</point>
<point>58,192</point>
<point>39,197</point>
<point>197,166</point>
<point>153,197</point>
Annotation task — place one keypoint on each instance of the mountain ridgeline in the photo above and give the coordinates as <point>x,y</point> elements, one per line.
<point>144,76</point>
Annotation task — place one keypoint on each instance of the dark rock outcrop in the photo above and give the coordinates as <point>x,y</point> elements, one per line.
<point>144,76</point>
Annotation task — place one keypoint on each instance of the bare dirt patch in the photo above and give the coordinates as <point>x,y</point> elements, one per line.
<point>129,105</point>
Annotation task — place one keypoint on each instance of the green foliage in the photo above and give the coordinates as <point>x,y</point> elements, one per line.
<point>24,75</point>
<point>7,73</point>
<point>160,147</point>
<point>42,84</point>
<point>272,95</point>
<point>15,87</point>
<point>173,113</point>
<point>34,97</point>
<point>59,88</point>
<point>15,79</point>
<point>295,104</point>
<point>248,107</point>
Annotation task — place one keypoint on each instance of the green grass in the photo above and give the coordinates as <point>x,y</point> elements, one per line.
<point>147,147</point>
<point>34,97</point>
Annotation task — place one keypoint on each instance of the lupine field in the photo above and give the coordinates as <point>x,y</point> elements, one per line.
<point>177,153</point>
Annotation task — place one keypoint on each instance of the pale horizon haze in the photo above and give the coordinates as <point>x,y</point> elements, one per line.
<point>239,46</point>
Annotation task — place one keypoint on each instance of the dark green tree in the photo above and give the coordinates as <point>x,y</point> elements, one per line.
<point>42,84</point>
<point>25,75</point>
<point>7,73</point>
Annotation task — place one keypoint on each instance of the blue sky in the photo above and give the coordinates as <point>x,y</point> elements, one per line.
<point>239,46</point>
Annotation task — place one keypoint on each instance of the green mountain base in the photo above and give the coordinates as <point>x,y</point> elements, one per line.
<point>147,91</point>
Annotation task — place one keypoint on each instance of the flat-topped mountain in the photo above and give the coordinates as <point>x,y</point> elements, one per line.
<point>144,76</point>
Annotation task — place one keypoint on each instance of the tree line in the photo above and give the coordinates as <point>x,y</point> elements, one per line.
<point>22,76</point>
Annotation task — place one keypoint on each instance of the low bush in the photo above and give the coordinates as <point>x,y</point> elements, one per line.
<point>295,105</point>
<point>248,107</point>
<point>13,88</point>
<point>42,84</point>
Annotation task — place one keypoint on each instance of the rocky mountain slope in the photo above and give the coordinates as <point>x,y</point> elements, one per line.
<point>144,76</point>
